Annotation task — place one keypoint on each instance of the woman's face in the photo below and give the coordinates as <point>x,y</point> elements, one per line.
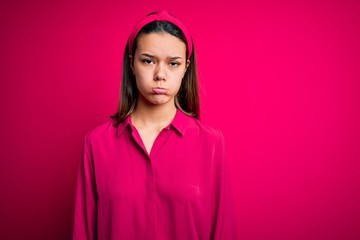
<point>159,65</point>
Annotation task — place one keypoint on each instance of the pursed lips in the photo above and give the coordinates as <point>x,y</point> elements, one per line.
<point>159,90</point>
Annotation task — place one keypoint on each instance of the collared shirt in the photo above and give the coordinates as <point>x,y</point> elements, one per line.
<point>181,190</point>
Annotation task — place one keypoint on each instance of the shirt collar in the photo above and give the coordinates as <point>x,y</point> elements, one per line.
<point>180,123</point>
<point>121,127</point>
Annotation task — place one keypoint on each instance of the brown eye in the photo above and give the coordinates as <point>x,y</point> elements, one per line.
<point>147,61</point>
<point>174,64</point>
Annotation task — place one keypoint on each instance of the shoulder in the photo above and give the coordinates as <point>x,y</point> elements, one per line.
<point>212,139</point>
<point>208,130</point>
<point>205,131</point>
<point>102,131</point>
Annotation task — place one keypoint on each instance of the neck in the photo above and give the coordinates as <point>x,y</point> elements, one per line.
<point>158,116</point>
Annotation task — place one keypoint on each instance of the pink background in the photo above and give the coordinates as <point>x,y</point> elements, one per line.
<point>280,79</point>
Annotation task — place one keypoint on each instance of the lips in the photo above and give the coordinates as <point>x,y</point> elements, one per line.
<point>159,91</point>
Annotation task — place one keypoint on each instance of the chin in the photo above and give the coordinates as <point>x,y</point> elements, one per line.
<point>159,100</point>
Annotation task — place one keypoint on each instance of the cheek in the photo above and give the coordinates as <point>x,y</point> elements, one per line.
<point>141,71</point>
<point>178,79</point>
<point>143,77</point>
<point>141,84</point>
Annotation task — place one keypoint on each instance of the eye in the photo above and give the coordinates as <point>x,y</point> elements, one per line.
<point>147,61</point>
<point>174,64</point>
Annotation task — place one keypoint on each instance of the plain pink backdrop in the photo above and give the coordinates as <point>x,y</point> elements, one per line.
<point>280,79</point>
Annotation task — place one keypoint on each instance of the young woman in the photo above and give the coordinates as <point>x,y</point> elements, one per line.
<point>154,171</point>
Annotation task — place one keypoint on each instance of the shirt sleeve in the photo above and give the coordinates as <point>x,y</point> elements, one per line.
<point>224,215</point>
<point>85,216</point>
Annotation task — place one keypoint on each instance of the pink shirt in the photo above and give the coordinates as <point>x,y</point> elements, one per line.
<point>181,190</point>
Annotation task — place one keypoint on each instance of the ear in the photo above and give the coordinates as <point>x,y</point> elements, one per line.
<point>187,65</point>
<point>131,60</point>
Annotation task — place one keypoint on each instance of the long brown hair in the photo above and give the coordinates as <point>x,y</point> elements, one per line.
<point>187,98</point>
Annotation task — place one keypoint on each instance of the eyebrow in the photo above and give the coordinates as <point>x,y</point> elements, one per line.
<point>151,56</point>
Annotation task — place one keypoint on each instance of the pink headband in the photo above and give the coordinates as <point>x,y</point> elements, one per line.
<point>161,16</point>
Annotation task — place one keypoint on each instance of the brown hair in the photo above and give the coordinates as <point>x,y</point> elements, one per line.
<point>187,99</point>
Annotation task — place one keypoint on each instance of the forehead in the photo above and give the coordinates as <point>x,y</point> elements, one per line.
<point>160,44</point>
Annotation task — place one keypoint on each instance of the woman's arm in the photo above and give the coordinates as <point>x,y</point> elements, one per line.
<point>85,217</point>
<point>224,215</point>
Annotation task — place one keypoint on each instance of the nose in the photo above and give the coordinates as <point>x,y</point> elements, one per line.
<point>159,72</point>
